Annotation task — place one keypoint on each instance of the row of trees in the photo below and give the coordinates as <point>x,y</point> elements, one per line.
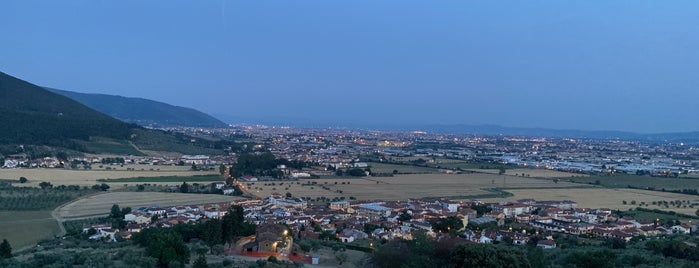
<point>31,198</point>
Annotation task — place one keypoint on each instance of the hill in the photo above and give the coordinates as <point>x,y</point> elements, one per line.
<point>143,111</point>
<point>46,123</point>
<point>33,115</point>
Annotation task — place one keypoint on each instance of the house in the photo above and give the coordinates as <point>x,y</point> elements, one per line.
<point>156,211</point>
<point>218,185</point>
<point>373,209</point>
<point>337,205</point>
<point>546,244</point>
<point>511,210</point>
<point>195,159</point>
<point>248,178</point>
<point>681,229</point>
<point>268,236</point>
<point>137,218</point>
<point>349,235</point>
<point>97,227</point>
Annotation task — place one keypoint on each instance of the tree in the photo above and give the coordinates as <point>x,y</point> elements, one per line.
<point>232,224</point>
<point>45,184</point>
<point>5,249</point>
<point>184,188</point>
<point>404,216</point>
<point>200,262</point>
<point>448,224</point>
<point>484,255</point>
<point>101,187</point>
<point>115,212</point>
<point>165,245</point>
<point>602,258</point>
<point>213,233</point>
<point>22,180</point>
<point>501,171</point>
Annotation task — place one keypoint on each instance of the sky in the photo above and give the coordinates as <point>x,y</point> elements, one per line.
<point>589,65</point>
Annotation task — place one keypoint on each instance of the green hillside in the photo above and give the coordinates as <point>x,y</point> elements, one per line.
<point>47,123</point>
<point>143,111</point>
<point>33,115</point>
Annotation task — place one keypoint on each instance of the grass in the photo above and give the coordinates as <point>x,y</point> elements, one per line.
<point>189,179</point>
<point>112,146</point>
<point>25,228</point>
<point>643,182</point>
<point>402,169</point>
<point>492,193</point>
<point>646,214</point>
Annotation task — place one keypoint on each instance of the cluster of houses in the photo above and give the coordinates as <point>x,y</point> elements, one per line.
<point>349,221</point>
<point>24,161</point>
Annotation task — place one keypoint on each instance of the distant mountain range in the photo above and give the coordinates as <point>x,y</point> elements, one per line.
<point>143,111</point>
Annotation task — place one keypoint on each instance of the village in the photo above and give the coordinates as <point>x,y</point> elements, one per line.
<point>282,219</point>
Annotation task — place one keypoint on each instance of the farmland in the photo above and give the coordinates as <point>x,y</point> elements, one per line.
<point>402,186</point>
<point>623,181</point>
<point>196,178</point>
<point>401,169</point>
<point>98,205</point>
<point>89,177</point>
<point>24,228</point>
<point>606,198</point>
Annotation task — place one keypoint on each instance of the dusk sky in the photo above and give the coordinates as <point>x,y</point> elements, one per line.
<point>591,65</point>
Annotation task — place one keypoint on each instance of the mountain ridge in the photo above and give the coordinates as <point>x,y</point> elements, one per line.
<point>143,111</point>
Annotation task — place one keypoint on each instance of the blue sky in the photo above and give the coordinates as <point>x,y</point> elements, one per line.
<point>592,65</point>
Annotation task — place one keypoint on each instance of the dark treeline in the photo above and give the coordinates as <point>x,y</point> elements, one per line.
<point>264,164</point>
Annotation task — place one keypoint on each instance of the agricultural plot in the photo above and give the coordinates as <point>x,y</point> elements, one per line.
<point>90,177</point>
<point>98,205</point>
<point>608,198</point>
<point>402,186</point>
<point>531,172</point>
<point>401,169</point>
<point>25,228</point>
<point>623,181</point>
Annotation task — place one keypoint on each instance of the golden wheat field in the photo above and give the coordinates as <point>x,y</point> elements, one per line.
<point>102,203</point>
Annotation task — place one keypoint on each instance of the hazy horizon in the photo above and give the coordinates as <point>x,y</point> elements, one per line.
<point>593,65</point>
